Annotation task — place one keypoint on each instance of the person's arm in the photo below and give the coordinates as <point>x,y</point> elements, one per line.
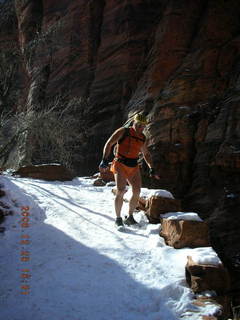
<point>108,146</point>
<point>148,159</point>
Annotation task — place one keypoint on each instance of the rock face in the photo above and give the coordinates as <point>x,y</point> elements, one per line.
<point>177,60</point>
<point>107,176</point>
<point>183,233</point>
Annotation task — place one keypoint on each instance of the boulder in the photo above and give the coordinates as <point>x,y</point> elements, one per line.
<point>106,176</point>
<point>99,182</point>
<point>203,277</point>
<point>210,277</point>
<point>49,172</point>
<point>155,206</point>
<point>184,233</point>
<point>142,202</point>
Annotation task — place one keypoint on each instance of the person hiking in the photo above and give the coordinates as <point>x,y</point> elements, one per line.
<point>129,142</point>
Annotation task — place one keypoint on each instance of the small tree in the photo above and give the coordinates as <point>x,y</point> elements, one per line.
<point>49,135</point>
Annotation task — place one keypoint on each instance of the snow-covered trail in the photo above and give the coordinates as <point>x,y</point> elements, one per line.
<point>80,267</point>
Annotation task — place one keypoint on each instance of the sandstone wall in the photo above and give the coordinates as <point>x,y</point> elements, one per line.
<point>178,60</point>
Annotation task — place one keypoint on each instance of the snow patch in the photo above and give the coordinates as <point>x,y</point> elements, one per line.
<point>205,255</point>
<point>191,216</point>
<point>147,193</point>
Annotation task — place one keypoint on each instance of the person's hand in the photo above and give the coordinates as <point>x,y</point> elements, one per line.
<point>103,166</point>
<point>152,174</point>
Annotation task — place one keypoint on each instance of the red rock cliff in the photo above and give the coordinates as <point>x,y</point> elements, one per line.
<point>177,60</point>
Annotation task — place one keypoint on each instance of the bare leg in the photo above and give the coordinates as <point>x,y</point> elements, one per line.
<point>136,183</point>
<point>121,185</point>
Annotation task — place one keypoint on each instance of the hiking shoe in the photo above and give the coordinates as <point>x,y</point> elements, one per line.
<point>130,220</point>
<point>119,222</point>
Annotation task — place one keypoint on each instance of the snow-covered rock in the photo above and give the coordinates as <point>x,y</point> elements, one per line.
<point>190,216</point>
<point>180,233</point>
<point>207,273</point>
<point>99,182</point>
<point>106,176</point>
<point>158,205</point>
<point>148,193</point>
<point>49,172</point>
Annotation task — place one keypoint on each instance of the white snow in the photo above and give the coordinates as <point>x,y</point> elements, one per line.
<point>156,193</point>
<point>191,216</point>
<point>80,267</point>
<point>205,255</point>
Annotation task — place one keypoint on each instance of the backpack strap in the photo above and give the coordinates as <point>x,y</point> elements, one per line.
<point>125,134</point>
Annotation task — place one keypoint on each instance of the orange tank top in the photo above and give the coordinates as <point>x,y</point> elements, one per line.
<point>131,144</point>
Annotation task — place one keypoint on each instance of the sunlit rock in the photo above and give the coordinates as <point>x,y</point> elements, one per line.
<point>182,229</point>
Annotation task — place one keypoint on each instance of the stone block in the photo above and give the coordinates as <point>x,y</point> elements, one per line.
<point>106,176</point>
<point>49,172</point>
<point>99,182</point>
<point>142,202</point>
<point>203,277</point>
<point>184,233</point>
<point>156,206</point>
